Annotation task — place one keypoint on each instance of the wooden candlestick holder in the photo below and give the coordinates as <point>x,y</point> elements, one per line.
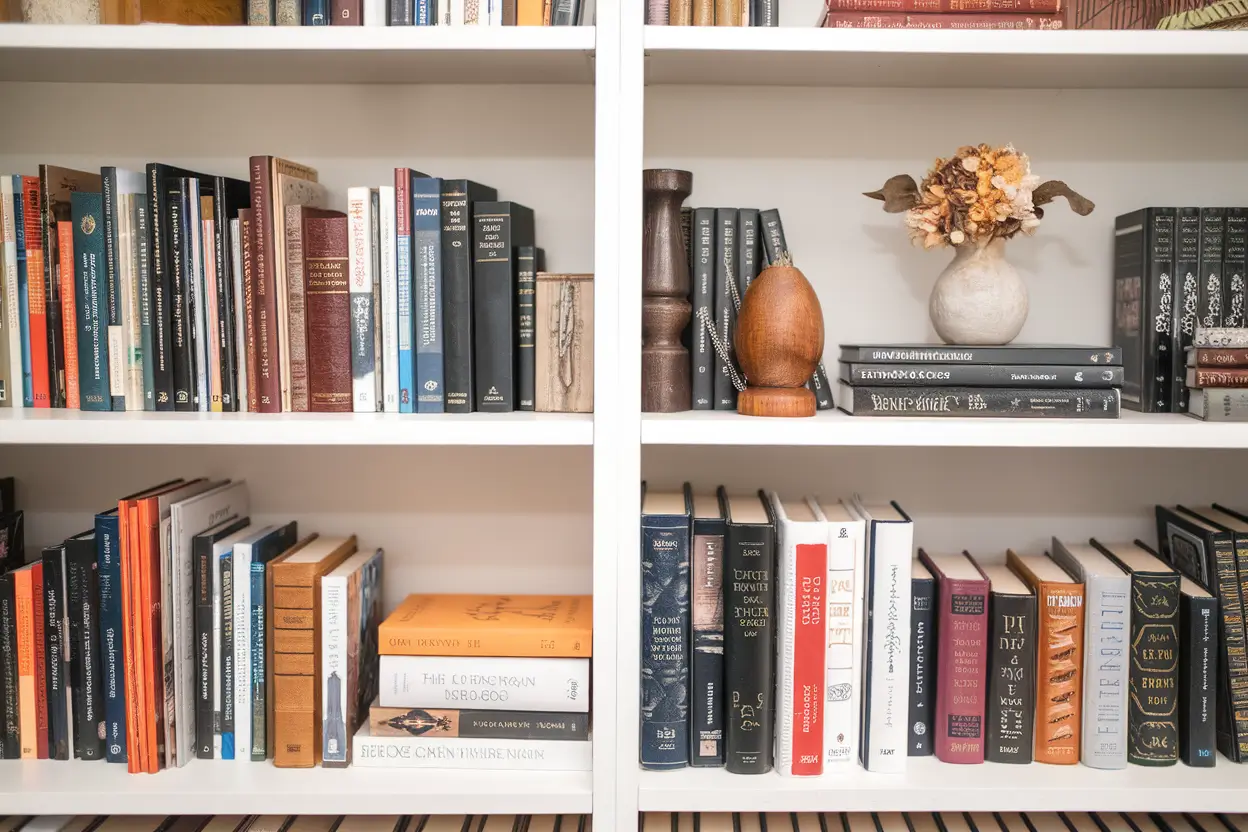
<point>665,372</point>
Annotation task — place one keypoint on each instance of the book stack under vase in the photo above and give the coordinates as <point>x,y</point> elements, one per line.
<point>940,822</point>
<point>1016,380</point>
<point>483,682</point>
<point>945,14</point>
<point>1216,375</point>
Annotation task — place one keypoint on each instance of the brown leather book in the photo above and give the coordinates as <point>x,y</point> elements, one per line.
<point>269,734</point>
<point>193,12</point>
<point>327,307</point>
<point>287,619</point>
<point>347,13</point>
<point>296,334</point>
<point>294,664</point>
<point>703,12</point>
<point>1059,656</point>
<point>723,13</point>
<point>680,13</point>
<point>292,597</point>
<point>292,641</point>
<point>246,231</point>
<point>509,12</point>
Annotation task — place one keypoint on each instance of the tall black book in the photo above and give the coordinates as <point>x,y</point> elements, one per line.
<point>83,588</point>
<point>458,196</point>
<point>1198,674</point>
<point>1186,299</point>
<point>702,272</point>
<point>725,311</point>
<point>1152,708</point>
<point>10,741</point>
<point>229,195</point>
<point>749,631</point>
<point>531,261</point>
<point>1143,306</point>
<point>1011,705</point>
<point>1212,237</point>
<point>1234,261</point>
<point>56,657</point>
<point>772,232</point>
<point>749,249</point>
<point>401,13</point>
<point>706,667</point>
<point>499,228</point>
<point>922,660</point>
<point>182,325</point>
<point>8,495</point>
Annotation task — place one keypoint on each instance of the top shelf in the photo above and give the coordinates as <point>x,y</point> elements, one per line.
<point>297,54</point>
<point>810,57</point>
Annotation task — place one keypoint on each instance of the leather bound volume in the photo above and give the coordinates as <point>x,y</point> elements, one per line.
<point>348,13</point>
<point>723,13</point>
<point>703,12</point>
<point>1059,656</point>
<point>706,670</point>
<point>327,305</point>
<point>1010,710</point>
<point>702,296</point>
<point>961,656</point>
<point>922,660</point>
<point>1216,377</point>
<point>1218,357</point>
<point>680,13</point>
<point>1198,674</point>
<point>499,229</point>
<point>1186,292</point>
<point>1234,260</point>
<point>296,308</point>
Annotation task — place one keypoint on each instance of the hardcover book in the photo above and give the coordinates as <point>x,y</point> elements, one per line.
<point>10,740</point>
<point>69,313</point>
<point>17,340</point>
<point>702,297</point>
<point>360,278</point>
<point>269,546</point>
<point>387,241</point>
<point>1209,311</point>
<point>749,249</point>
<point>82,586</point>
<point>1144,247</point>
<point>462,753</point>
<point>476,724</point>
<point>1216,377</point>
<point>329,329</point>
<point>556,626</point>
<point>530,260</point>
<point>1010,709</point>
<point>981,402</point>
<point>706,670</point>
<point>922,660</point>
<point>458,197</point>
<point>499,229</point>
<point>90,278</point>
<point>1234,260</point>
<point>520,684</point>
<point>983,375</point>
<point>427,293</point>
<point>1198,674</point>
<point>1214,357</point>
<point>30,242</point>
<point>725,308</point>
<point>1186,297</point>
<point>350,613</point>
<point>113,665</point>
<point>1006,354</point>
<point>56,639</point>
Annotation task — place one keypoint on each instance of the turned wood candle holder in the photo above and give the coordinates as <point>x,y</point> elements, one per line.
<point>779,341</point>
<point>665,373</point>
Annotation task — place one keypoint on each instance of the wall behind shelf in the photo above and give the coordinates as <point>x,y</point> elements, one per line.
<point>534,143</point>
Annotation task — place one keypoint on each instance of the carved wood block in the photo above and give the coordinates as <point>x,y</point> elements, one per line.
<point>565,343</point>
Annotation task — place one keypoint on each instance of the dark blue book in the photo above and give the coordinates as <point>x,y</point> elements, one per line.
<point>272,544</point>
<point>315,12</point>
<point>112,658</point>
<point>91,301</point>
<point>665,519</point>
<point>425,13</point>
<point>427,297</point>
<point>23,291</point>
<point>112,272</point>
<point>55,638</point>
<point>82,593</point>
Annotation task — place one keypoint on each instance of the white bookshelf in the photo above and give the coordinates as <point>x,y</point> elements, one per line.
<point>563,120</point>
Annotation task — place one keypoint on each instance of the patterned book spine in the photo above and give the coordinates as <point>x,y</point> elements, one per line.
<point>680,13</point>
<point>389,300</point>
<point>1060,661</point>
<point>37,304</point>
<point>922,658</point>
<point>664,642</point>
<point>297,333</point>
<point>1198,675</point>
<point>55,638</point>
<point>928,6</point>
<point>92,313</point>
<point>360,268</point>
<point>24,639</point>
<point>527,267</point>
<point>1159,342</point>
<point>1012,678</point>
<point>1153,736</point>
<point>10,742</point>
<point>286,12</point>
<point>112,271</point>
<point>70,309</point>
<point>1234,261</point>
<point>427,285</point>
<point>513,725</point>
<point>51,287</point>
<point>403,268</point>
<point>108,540</point>
<point>424,12</point>
<point>958,20</point>
<point>707,661</point>
<point>984,402</point>
<point>1209,310</point>
<point>701,352</point>
<point>330,331</point>
<point>725,311</point>
<point>962,659</point>
<point>1186,299</point>
<point>260,12</point>
<point>1107,624</point>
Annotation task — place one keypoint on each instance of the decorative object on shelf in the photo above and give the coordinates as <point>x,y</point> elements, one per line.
<point>779,341</point>
<point>1228,14</point>
<point>665,385</point>
<point>974,201</point>
<point>565,343</point>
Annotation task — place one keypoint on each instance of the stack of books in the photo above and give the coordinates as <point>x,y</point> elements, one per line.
<point>483,681</point>
<point>945,14</point>
<point>1017,380</point>
<point>942,822</point>
<point>1216,376</point>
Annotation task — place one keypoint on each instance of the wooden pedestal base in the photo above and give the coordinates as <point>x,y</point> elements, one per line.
<point>776,401</point>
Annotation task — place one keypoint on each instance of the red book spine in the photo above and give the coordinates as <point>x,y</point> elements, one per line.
<point>903,20</point>
<point>347,13</point>
<point>267,381</point>
<point>961,673</point>
<point>69,311</point>
<point>809,654</point>
<point>41,676</point>
<point>327,306</point>
<point>37,304</point>
<point>1206,377</point>
<point>1221,357</point>
<point>949,6</point>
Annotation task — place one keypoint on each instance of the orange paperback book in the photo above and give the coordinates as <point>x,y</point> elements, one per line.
<point>558,626</point>
<point>23,585</point>
<point>69,313</point>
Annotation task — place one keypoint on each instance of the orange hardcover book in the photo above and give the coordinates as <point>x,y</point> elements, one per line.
<point>69,312</point>
<point>1059,656</point>
<point>24,605</point>
<point>37,300</point>
<point>557,626</point>
<point>41,689</point>
<point>529,12</point>
<point>152,663</point>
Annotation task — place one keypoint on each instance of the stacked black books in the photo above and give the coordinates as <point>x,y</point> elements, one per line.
<point>1018,380</point>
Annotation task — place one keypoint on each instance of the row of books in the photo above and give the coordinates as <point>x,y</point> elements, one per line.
<point>483,682</point>
<point>787,633</point>
<point>713,12</point>
<point>298,823</point>
<point>1176,270</point>
<point>1014,380</point>
<point>174,290</point>
<point>941,822</point>
<point>479,12</point>
<point>1017,15</point>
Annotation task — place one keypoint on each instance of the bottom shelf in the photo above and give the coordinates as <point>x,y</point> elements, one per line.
<point>931,785</point>
<point>207,787</point>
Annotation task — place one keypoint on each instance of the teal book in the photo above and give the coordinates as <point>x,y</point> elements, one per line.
<point>91,301</point>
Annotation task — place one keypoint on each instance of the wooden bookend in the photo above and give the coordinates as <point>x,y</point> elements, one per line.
<point>665,382</point>
<point>779,340</point>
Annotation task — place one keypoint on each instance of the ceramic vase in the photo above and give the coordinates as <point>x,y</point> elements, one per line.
<point>979,299</point>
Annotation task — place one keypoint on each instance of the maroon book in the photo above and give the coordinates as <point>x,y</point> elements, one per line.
<point>347,13</point>
<point>905,20</point>
<point>1209,377</point>
<point>949,6</point>
<point>961,657</point>
<point>327,309</point>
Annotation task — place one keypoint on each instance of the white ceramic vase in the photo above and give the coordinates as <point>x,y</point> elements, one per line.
<point>979,297</point>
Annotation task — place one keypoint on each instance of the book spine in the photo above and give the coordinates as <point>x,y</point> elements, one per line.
<point>983,375</point>
<point>334,673</point>
<point>402,13</point>
<point>1157,342</point>
<point>845,582</point>
<point>1186,299</point>
<point>986,402</point>
<point>1220,405</point>
<point>92,313</point>
<point>467,724</point>
<point>51,286</point>
<point>1231,605</point>
<point>427,285</point>
<point>1153,738</point>
<point>1010,712</point>
<point>1219,337</point>
<point>374,230</point>
<point>701,353</point>
<point>348,13</point>
<point>766,13</point>
<point>1212,236</point>
<point>363,359</point>
<point>725,311</point>
<point>316,13</point>
<point>749,658</point>
<point>804,660</point>
<point>205,678</point>
<point>54,646</point>
<point>922,661</point>
<point>10,743</point>
<point>1212,357</point>
<point>887,649</point>
<point>1107,630</point>
<point>657,12</point>
<point>949,6</point>
<point>286,12</point>
<point>259,671</point>
<point>259,12</point>
<point>1198,674</point>
<point>1218,378</point>
<point>266,379</point>
<point>389,301</point>
<point>181,256</point>
<point>226,684</point>
<point>565,13</point>
<point>41,663</point>
<point>749,249</point>
<point>680,13</point>
<point>962,659</point>
<point>84,635</point>
<point>902,20</point>
<point>425,752</point>
<point>1108,356</point>
<point>146,288</point>
<point>296,309</point>
<point>664,642</point>
<point>1059,645</point>
<point>24,640</point>
<point>241,631</point>
<point>1234,260</point>
<point>239,313</point>
<point>69,310</point>
<point>424,13</point>
<point>704,13</point>
<point>706,747</point>
<point>251,347</point>
<point>516,684</point>
<point>108,538</point>
<point>493,321</point>
<point>328,309</point>
<point>36,295</point>
<point>526,327</point>
<point>112,271</point>
<point>14,307</point>
<point>405,298</point>
<point>818,384</point>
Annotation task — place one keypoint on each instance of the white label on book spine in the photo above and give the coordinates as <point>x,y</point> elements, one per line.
<point>485,684</point>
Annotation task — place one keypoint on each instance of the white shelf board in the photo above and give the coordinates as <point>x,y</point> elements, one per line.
<point>207,787</point>
<point>834,428</point>
<point>930,785</point>
<point>943,59</point>
<point>73,427</point>
<point>298,54</point>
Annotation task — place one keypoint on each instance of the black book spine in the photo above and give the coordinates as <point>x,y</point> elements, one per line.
<point>772,229</point>
<point>202,554</point>
<point>226,565</point>
<point>1152,710</point>
<point>222,209</point>
<point>499,229</point>
<point>55,641</point>
<point>1198,674</point>
<point>52,307</point>
<point>749,250</point>
<point>402,13</point>
<point>182,323</point>
<point>765,13</point>
<point>979,401</point>
<point>84,670</point>
<point>665,642</point>
<point>922,665</point>
<point>749,651</point>
<point>983,375</point>
<point>701,352</point>
<point>706,724</point>
<point>526,331</point>
<point>1234,261</point>
<point>1160,296</point>
<point>522,725</point>
<point>686,232</point>
<point>725,311</point>
<point>458,196</point>
<point>1011,702</point>
<point>108,196</point>
<point>1186,297</point>
<point>818,384</point>
<point>11,743</point>
<point>924,354</point>
<point>1212,237</point>
<point>161,286</point>
<point>566,13</point>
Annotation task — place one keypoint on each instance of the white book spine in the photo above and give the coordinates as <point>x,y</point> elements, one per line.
<point>215,569</point>
<point>425,752</point>
<point>360,270</point>
<point>1106,663</point>
<point>12,311</point>
<point>457,12</point>
<point>375,13</point>
<point>242,651</point>
<point>198,301</point>
<point>499,684</point>
<point>496,12</point>
<point>843,703</point>
<point>444,12</point>
<point>334,642</point>
<point>389,302</point>
<point>240,315</point>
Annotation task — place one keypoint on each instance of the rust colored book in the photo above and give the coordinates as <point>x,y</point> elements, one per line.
<point>69,309</point>
<point>559,626</point>
<point>903,20</point>
<point>194,12</point>
<point>949,6</point>
<point>327,307</point>
<point>1059,657</point>
<point>270,653</point>
<point>1217,377</point>
<point>24,605</point>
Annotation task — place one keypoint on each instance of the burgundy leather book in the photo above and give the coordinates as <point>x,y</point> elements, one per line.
<point>961,657</point>
<point>327,310</point>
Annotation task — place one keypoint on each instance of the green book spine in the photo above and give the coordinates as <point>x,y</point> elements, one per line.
<point>91,288</point>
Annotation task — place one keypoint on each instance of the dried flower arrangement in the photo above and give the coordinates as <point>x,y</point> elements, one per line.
<point>979,194</point>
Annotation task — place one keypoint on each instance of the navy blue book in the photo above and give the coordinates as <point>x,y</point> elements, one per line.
<point>112,658</point>
<point>263,551</point>
<point>427,295</point>
<point>315,12</point>
<point>91,300</point>
<point>108,179</point>
<point>55,637</point>
<point>83,592</point>
<point>665,518</point>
